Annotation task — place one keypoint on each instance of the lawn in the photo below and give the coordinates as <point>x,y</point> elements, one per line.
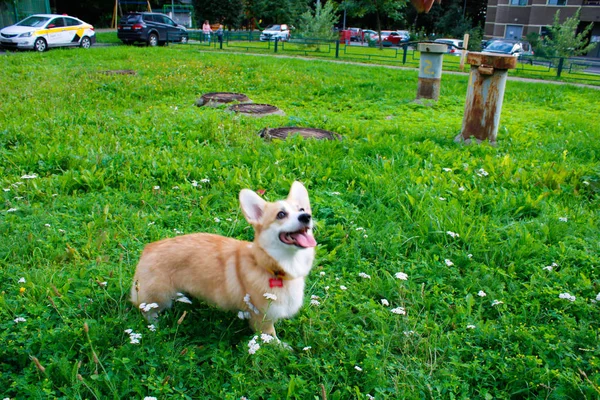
<point>499,244</point>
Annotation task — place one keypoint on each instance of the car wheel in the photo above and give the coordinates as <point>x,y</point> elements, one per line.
<point>86,43</point>
<point>153,40</point>
<point>184,39</point>
<point>40,45</point>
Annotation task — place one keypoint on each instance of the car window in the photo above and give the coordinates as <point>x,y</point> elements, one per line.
<point>149,18</point>
<point>500,46</point>
<point>165,20</point>
<point>33,21</point>
<point>131,18</point>
<point>71,22</point>
<point>57,22</point>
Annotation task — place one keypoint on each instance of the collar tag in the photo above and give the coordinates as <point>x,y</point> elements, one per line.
<point>275,282</point>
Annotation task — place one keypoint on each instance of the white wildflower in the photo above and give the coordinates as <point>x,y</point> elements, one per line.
<point>447,169</point>
<point>326,288</point>
<point>217,220</point>
<point>151,223</point>
<point>497,303</point>
<point>249,304</point>
<point>307,348</point>
<point>182,298</point>
<point>584,182</point>
<point>147,307</point>
<point>322,273</point>
<point>343,287</point>
<point>448,262</point>
<point>134,338</point>
<point>385,303</point>
<point>469,256</point>
<point>128,331</point>
<point>150,398</point>
<point>6,189</point>
<point>103,284</point>
<point>401,275</point>
<point>152,328</point>
<point>442,198</point>
<point>360,228</point>
<point>364,276</point>
<point>175,188</point>
<point>314,297</point>
<point>408,333</point>
<point>243,315</point>
<point>18,197</point>
<point>335,193</point>
<point>47,225</point>
<point>228,219</point>
<point>359,369</point>
<point>462,189</point>
<point>471,326</point>
<point>365,236</point>
<point>481,293</point>
<point>62,231</point>
<point>369,397</point>
<point>567,296</point>
<point>22,280</point>
<point>482,172</point>
<point>266,338</point>
<point>19,319</point>
<point>453,234</point>
<point>563,219</point>
<point>253,345</point>
<point>32,176</point>
<point>315,303</point>
<point>156,187</point>
<point>398,310</point>
<point>205,180</point>
<point>11,210</point>
<point>194,184</point>
<point>270,296</point>
<point>598,297</point>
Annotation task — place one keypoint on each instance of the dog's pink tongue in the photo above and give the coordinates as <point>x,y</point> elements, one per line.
<point>305,239</point>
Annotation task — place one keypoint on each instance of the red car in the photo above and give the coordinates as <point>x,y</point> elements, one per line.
<point>394,38</point>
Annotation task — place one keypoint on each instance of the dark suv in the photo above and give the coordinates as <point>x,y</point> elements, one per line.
<point>151,28</point>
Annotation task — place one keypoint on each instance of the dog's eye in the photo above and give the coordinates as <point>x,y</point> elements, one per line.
<point>281,215</point>
<point>301,210</point>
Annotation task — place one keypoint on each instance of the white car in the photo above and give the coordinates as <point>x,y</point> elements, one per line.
<point>453,45</point>
<point>42,31</point>
<point>272,32</point>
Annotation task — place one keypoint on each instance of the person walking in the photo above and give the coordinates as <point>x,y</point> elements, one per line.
<point>206,30</point>
<point>219,34</point>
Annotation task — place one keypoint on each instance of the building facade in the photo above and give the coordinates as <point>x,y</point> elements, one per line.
<point>514,19</point>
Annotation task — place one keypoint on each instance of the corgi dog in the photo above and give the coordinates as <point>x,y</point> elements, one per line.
<point>263,279</point>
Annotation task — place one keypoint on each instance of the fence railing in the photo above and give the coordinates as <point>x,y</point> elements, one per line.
<point>532,66</point>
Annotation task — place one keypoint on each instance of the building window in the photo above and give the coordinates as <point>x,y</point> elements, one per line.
<point>521,2</point>
<point>557,2</point>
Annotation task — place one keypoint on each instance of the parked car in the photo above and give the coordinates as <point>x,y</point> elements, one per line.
<point>42,31</point>
<point>394,38</point>
<point>513,47</point>
<point>151,28</point>
<point>272,32</point>
<point>356,34</point>
<point>370,34</point>
<point>454,45</point>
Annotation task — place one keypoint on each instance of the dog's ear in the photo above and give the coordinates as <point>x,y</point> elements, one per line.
<point>299,194</point>
<point>253,206</point>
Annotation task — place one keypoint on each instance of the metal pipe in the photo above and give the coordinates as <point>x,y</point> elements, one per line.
<point>485,95</point>
<point>430,70</point>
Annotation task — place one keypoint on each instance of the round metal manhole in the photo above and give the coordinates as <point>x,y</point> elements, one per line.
<point>256,110</point>
<point>218,98</point>
<point>283,133</point>
<point>119,72</point>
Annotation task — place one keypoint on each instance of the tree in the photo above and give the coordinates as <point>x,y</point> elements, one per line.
<point>228,12</point>
<point>319,24</point>
<point>563,40</point>
<point>380,8</point>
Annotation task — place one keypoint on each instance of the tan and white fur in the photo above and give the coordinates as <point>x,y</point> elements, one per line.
<point>234,274</point>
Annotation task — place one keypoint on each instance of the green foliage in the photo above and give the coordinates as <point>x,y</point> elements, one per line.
<point>318,24</point>
<point>563,40</point>
<point>227,12</point>
<point>115,158</point>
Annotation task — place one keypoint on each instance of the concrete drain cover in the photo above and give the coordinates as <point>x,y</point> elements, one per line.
<point>218,98</point>
<point>282,133</point>
<point>256,110</point>
<point>119,72</point>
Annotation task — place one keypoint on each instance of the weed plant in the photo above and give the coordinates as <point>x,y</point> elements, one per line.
<point>442,271</point>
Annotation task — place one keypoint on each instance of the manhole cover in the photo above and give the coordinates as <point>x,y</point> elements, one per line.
<point>119,72</point>
<point>217,98</point>
<point>257,110</point>
<point>282,133</point>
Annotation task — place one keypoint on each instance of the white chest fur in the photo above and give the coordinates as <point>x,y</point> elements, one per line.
<point>289,299</point>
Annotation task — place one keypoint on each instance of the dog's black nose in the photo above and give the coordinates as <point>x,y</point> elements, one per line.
<point>304,218</point>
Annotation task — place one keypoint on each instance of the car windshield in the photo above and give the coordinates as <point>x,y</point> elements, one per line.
<point>273,28</point>
<point>34,21</point>
<point>502,47</point>
<point>130,18</point>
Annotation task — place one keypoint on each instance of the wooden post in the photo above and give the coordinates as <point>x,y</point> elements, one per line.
<point>113,23</point>
<point>463,56</point>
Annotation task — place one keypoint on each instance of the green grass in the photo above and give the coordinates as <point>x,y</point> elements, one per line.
<point>384,198</point>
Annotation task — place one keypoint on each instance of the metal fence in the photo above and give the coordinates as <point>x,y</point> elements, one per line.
<point>575,69</point>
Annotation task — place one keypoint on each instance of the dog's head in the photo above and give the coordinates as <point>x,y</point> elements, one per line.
<point>282,228</point>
